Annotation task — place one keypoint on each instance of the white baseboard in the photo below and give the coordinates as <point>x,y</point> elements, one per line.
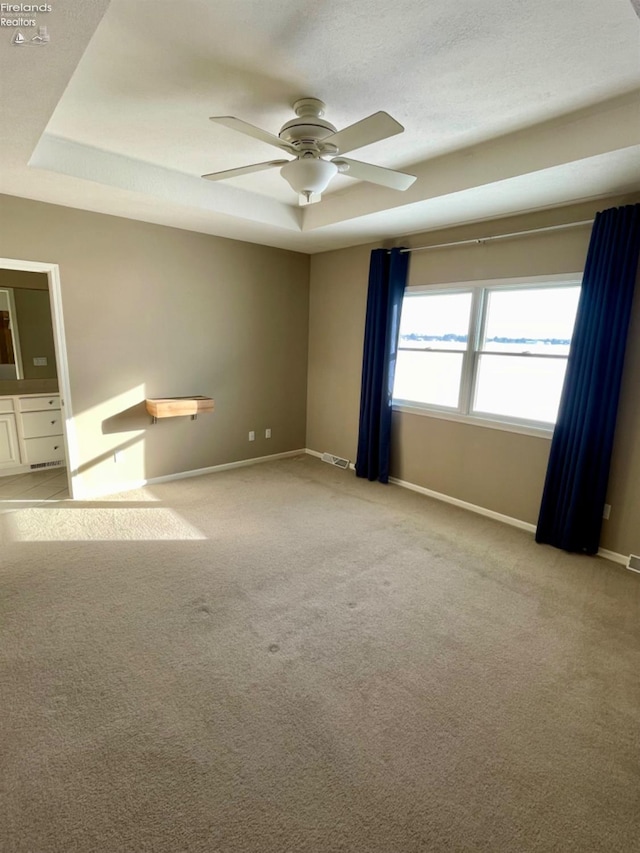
<point>13,472</point>
<point>115,488</point>
<point>621,559</point>
<point>497,516</point>
<point>614,557</point>
<point>480,510</point>
<point>489,513</point>
<point>129,485</point>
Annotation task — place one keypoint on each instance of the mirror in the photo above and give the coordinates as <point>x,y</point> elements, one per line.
<point>27,350</point>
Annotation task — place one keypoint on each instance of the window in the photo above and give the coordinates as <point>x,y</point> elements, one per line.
<point>487,352</point>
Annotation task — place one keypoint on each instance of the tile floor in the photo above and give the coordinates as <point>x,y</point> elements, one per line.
<point>50,484</point>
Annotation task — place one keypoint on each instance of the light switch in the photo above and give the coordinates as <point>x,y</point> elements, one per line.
<point>40,361</point>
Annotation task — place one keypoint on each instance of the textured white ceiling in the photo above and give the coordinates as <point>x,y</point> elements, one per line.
<point>478,77</point>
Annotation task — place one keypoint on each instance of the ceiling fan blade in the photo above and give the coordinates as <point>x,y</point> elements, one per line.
<point>371,129</point>
<point>251,130</point>
<point>376,174</point>
<point>243,170</point>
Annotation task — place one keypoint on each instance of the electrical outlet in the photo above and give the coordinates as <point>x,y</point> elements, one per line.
<point>606,512</point>
<point>40,361</point>
<point>252,436</point>
<point>267,433</point>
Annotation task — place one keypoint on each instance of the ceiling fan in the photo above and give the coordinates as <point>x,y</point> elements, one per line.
<point>318,148</point>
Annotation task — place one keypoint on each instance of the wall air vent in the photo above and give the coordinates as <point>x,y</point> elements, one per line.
<point>634,563</point>
<point>46,464</point>
<point>335,460</point>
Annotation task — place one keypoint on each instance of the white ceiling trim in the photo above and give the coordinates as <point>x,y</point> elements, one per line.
<point>586,180</point>
<point>104,167</point>
<point>485,101</point>
<point>612,126</point>
<point>606,128</point>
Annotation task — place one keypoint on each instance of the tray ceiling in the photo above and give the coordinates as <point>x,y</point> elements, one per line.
<point>506,107</point>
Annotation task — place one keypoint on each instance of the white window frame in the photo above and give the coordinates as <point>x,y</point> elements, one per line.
<point>479,289</point>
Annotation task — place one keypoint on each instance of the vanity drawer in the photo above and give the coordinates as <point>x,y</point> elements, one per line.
<point>36,424</point>
<point>6,405</point>
<point>37,404</point>
<point>44,450</point>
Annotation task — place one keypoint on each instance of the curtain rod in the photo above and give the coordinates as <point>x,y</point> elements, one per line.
<point>479,240</point>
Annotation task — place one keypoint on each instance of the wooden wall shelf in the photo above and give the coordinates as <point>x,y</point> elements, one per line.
<point>178,407</point>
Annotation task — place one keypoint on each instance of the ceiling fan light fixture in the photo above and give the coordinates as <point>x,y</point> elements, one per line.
<point>309,176</point>
<point>316,143</point>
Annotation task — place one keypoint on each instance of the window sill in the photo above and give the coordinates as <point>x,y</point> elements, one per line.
<point>474,420</point>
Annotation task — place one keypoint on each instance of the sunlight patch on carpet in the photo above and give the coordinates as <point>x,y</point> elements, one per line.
<point>98,525</point>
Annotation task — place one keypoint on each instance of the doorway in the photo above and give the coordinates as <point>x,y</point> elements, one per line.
<point>43,370</point>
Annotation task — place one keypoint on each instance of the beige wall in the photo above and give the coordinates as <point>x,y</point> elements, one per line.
<point>35,332</point>
<point>23,279</point>
<point>33,318</point>
<point>498,470</point>
<point>153,311</point>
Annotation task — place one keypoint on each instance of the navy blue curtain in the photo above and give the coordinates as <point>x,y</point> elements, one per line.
<point>387,280</point>
<point>576,483</point>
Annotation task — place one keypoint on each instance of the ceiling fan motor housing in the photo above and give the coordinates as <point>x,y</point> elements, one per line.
<point>315,142</point>
<point>309,128</point>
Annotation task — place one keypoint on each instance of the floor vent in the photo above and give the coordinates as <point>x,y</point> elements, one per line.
<point>45,465</point>
<point>335,460</point>
<point>634,563</point>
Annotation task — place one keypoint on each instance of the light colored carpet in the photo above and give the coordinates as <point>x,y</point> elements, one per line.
<point>285,658</point>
